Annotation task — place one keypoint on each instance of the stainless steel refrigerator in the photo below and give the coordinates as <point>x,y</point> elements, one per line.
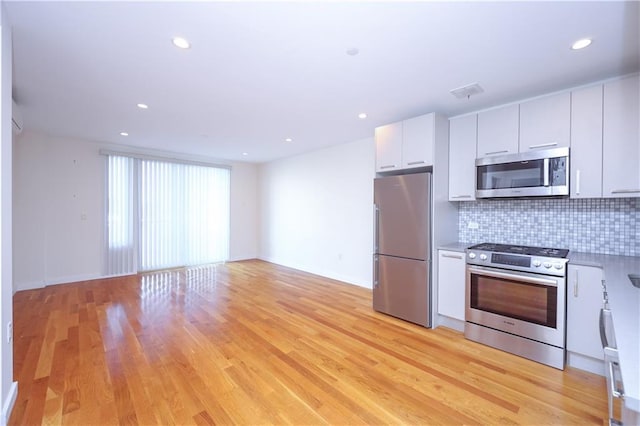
<point>402,252</point>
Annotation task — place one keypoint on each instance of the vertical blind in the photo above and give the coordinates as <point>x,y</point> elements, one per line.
<point>182,215</point>
<point>120,214</point>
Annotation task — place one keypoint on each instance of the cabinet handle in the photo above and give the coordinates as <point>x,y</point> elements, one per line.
<point>461,196</point>
<point>603,333</point>
<point>625,191</point>
<point>452,256</point>
<point>389,166</point>
<point>578,182</point>
<point>543,145</point>
<point>413,163</point>
<point>496,152</point>
<point>575,285</point>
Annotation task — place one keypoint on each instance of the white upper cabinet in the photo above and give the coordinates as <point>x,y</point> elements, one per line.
<point>406,144</point>
<point>498,131</point>
<point>417,141</point>
<point>462,158</point>
<point>545,122</point>
<point>586,143</point>
<point>388,147</point>
<point>621,138</point>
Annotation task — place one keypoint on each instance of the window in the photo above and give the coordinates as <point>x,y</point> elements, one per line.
<point>181,214</point>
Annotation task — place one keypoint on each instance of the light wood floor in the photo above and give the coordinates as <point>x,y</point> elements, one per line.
<point>255,343</point>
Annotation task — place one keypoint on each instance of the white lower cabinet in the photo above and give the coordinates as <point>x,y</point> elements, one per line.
<point>451,276</point>
<point>584,300</point>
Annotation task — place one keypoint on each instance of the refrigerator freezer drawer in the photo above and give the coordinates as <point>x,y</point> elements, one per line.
<point>401,288</point>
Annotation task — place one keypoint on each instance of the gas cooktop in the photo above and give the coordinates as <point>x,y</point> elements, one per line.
<point>524,250</point>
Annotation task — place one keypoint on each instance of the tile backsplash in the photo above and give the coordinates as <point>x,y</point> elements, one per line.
<point>607,226</point>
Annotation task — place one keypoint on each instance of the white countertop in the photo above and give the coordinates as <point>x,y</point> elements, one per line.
<point>455,246</point>
<point>624,302</point>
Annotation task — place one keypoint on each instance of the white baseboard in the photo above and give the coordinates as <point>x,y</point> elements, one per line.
<point>74,279</point>
<point>30,285</point>
<point>582,362</point>
<point>327,274</point>
<point>9,402</point>
<point>241,258</point>
<point>449,322</point>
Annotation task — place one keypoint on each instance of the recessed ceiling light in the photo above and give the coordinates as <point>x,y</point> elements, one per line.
<point>581,44</point>
<point>143,106</point>
<point>124,134</point>
<point>181,42</point>
<point>288,140</point>
<point>245,153</point>
<point>362,115</point>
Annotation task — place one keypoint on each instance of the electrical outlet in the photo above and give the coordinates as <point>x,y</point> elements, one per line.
<point>10,332</point>
<point>473,225</point>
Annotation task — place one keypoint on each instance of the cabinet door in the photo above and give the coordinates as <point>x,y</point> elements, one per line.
<point>462,158</point>
<point>621,139</point>
<point>584,300</point>
<point>417,141</point>
<point>451,270</point>
<point>498,131</point>
<point>389,147</point>
<point>586,143</point>
<point>544,122</point>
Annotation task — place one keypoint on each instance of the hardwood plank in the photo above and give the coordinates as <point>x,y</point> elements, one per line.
<point>256,343</point>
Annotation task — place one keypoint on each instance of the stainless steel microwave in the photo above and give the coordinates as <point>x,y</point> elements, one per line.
<point>543,173</point>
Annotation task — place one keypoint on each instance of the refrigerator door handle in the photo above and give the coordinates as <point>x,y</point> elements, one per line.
<point>376,265</point>
<point>376,223</point>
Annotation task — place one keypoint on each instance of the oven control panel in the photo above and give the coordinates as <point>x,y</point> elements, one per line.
<point>527,263</point>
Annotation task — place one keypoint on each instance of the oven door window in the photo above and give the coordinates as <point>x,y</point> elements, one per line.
<point>533,303</point>
<point>511,175</point>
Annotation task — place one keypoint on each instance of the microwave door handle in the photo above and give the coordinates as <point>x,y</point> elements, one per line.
<point>545,171</point>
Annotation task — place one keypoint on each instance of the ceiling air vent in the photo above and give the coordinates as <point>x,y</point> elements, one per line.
<point>467,91</point>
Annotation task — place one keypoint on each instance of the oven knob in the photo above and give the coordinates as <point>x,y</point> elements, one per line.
<point>537,263</point>
<point>547,265</point>
<point>557,265</point>
<point>483,257</point>
<point>472,255</point>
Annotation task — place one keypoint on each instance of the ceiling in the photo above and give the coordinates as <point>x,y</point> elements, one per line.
<point>260,72</point>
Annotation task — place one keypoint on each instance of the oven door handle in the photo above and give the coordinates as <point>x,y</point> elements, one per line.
<point>511,276</point>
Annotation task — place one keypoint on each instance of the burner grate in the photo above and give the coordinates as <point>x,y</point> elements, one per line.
<point>525,250</point>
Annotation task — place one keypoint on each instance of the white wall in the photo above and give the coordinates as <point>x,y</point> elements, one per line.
<point>7,386</point>
<point>244,212</point>
<point>58,181</point>
<point>59,196</point>
<point>316,211</point>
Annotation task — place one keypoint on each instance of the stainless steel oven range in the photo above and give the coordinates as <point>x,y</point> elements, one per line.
<point>516,300</point>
